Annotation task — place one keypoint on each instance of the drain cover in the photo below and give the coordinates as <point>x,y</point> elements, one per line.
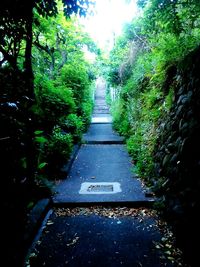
<point>100,188</point>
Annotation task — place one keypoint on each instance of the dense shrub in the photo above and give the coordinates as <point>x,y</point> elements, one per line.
<point>52,103</point>
<point>75,77</point>
<point>74,125</point>
<point>58,148</point>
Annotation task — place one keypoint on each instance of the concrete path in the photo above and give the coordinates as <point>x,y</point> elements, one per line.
<point>101,133</point>
<point>107,165</point>
<point>101,118</point>
<point>102,170</point>
<point>86,238</point>
<point>101,112</point>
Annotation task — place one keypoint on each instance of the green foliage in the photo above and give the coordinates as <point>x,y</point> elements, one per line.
<point>143,63</point>
<point>58,148</point>
<point>87,107</point>
<point>52,102</point>
<point>42,165</point>
<point>134,144</point>
<point>40,139</point>
<point>59,44</point>
<point>74,125</point>
<point>169,100</point>
<point>75,76</point>
<point>64,90</point>
<point>119,117</point>
<point>40,142</point>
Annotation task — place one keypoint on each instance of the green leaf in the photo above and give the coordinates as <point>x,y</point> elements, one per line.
<point>40,139</point>
<point>38,132</point>
<point>42,165</point>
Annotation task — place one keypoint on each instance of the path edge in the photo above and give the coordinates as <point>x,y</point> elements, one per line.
<point>40,210</point>
<point>66,167</point>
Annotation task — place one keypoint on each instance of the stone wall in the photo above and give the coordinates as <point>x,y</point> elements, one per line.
<point>177,154</point>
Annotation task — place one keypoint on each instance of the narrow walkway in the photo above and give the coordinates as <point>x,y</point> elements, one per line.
<point>95,232</point>
<point>101,111</point>
<point>102,170</point>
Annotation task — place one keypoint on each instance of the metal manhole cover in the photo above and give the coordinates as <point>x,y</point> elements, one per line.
<point>100,188</point>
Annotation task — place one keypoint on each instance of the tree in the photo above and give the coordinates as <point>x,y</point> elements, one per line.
<point>19,140</point>
<point>56,40</point>
<point>16,42</point>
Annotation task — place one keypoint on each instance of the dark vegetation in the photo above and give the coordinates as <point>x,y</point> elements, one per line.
<point>46,103</point>
<point>155,68</point>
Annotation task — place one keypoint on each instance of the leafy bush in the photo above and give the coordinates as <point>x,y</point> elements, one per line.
<point>58,148</point>
<point>134,145</point>
<point>74,76</point>
<point>74,125</point>
<point>120,123</point>
<point>53,103</point>
<point>87,108</point>
<point>63,108</point>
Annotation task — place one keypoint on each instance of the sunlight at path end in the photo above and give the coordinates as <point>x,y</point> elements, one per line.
<point>108,20</point>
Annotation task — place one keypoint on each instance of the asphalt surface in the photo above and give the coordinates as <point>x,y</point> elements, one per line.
<point>102,134</point>
<point>96,241</point>
<point>97,164</point>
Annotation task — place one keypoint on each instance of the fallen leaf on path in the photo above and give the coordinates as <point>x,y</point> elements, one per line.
<point>106,212</point>
<point>50,222</point>
<point>74,241</point>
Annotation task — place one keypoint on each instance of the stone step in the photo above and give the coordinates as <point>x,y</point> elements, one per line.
<point>100,97</point>
<point>101,112</point>
<point>102,134</point>
<point>101,118</point>
<point>103,105</point>
<point>100,102</point>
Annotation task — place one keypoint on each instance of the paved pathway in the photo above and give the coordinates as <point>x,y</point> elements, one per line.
<point>102,170</point>
<point>101,112</point>
<point>103,235</point>
<point>74,238</point>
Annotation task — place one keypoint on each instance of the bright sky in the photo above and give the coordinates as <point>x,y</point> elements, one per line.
<point>108,20</point>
